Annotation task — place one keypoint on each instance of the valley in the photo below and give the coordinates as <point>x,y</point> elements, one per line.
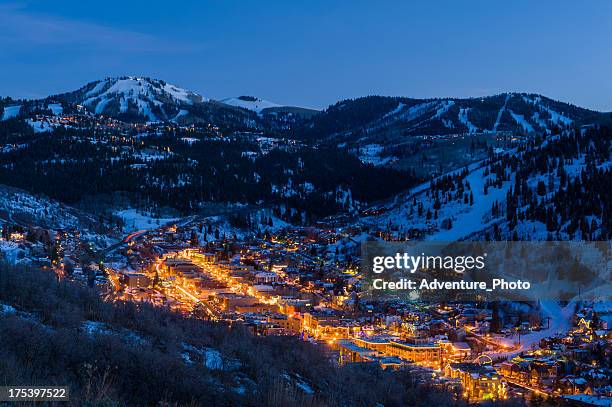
<point>244,213</point>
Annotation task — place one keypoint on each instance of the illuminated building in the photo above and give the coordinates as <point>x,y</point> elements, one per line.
<point>479,382</point>
<point>428,355</point>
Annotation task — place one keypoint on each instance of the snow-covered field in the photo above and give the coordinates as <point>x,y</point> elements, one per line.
<point>135,220</point>
<point>40,126</point>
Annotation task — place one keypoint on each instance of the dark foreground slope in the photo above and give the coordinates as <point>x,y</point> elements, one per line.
<point>53,333</point>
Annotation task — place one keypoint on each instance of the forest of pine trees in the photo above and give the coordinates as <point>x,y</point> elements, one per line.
<point>71,165</point>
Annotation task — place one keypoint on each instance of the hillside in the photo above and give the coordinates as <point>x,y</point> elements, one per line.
<point>250,103</point>
<point>145,97</point>
<point>373,116</point>
<point>555,189</point>
<point>171,147</point>
<point>262,106</point>
<point>185,168</point>
<point>115,354</point>
<point>361,121</point>
<point>401,131</point>
<point>140,99</point>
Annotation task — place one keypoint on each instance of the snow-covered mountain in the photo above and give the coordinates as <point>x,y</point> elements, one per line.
<point>357,123</point>
<point>250,103</point>
<point>556,190</point>
<point>132,96</point>
<point>139,99</point>
<point>488,137</point>
<point>383,117</point>
<point>279,116</point>
<point>391,130</point>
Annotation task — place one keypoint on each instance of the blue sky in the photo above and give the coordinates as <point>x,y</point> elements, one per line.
<point>313,53</point>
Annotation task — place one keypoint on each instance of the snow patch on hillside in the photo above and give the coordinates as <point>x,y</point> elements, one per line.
<point>178,93</point>
<point>471,219</point>
<point>415,111</point>
<point>55,108</point>
<point>444,107</point>
<point>519,119</point>
<point>11,112</point>
<point>40,126</point>
<point>539,121</point>
<point>245,102</point>
<point>180,114</point>
<point>397,109</point>
<point>10,251</point>
<point>501,113</point>
<point>371,154</point>
<point>557,118</point>
<point>135,220</point>
<point>463,118</point>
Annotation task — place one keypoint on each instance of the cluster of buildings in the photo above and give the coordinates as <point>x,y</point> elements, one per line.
<point>304,282</point>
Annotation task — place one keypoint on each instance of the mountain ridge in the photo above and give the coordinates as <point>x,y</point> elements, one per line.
<point>363,120</point>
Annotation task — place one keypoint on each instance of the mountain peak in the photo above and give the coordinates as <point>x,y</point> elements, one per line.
<point>250,103</point>
<point>153,99</point>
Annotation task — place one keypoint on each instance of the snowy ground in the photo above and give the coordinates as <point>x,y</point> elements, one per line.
<point>40,126</point>
<point>560,323</point>
<point>466,219</point>
<point>135,220</point>
<point>371,154</point>
<point>56,108</point>
<point>471,219</point>
<point>10,112</point>
<point>256,105</point>
<point>25,207</point>
<point>10,251</point>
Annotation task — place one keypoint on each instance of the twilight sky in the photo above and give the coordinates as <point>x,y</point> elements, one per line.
<point>313,53</point>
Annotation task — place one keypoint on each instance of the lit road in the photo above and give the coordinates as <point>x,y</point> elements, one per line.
<point>525,386</point>
<point>187,294</point>
<point>134,235</point>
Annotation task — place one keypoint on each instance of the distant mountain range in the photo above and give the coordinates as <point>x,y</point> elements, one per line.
<point>374,116</point>
<point>367,119</point>
<point>137,99</point>
<point>357,156</point>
